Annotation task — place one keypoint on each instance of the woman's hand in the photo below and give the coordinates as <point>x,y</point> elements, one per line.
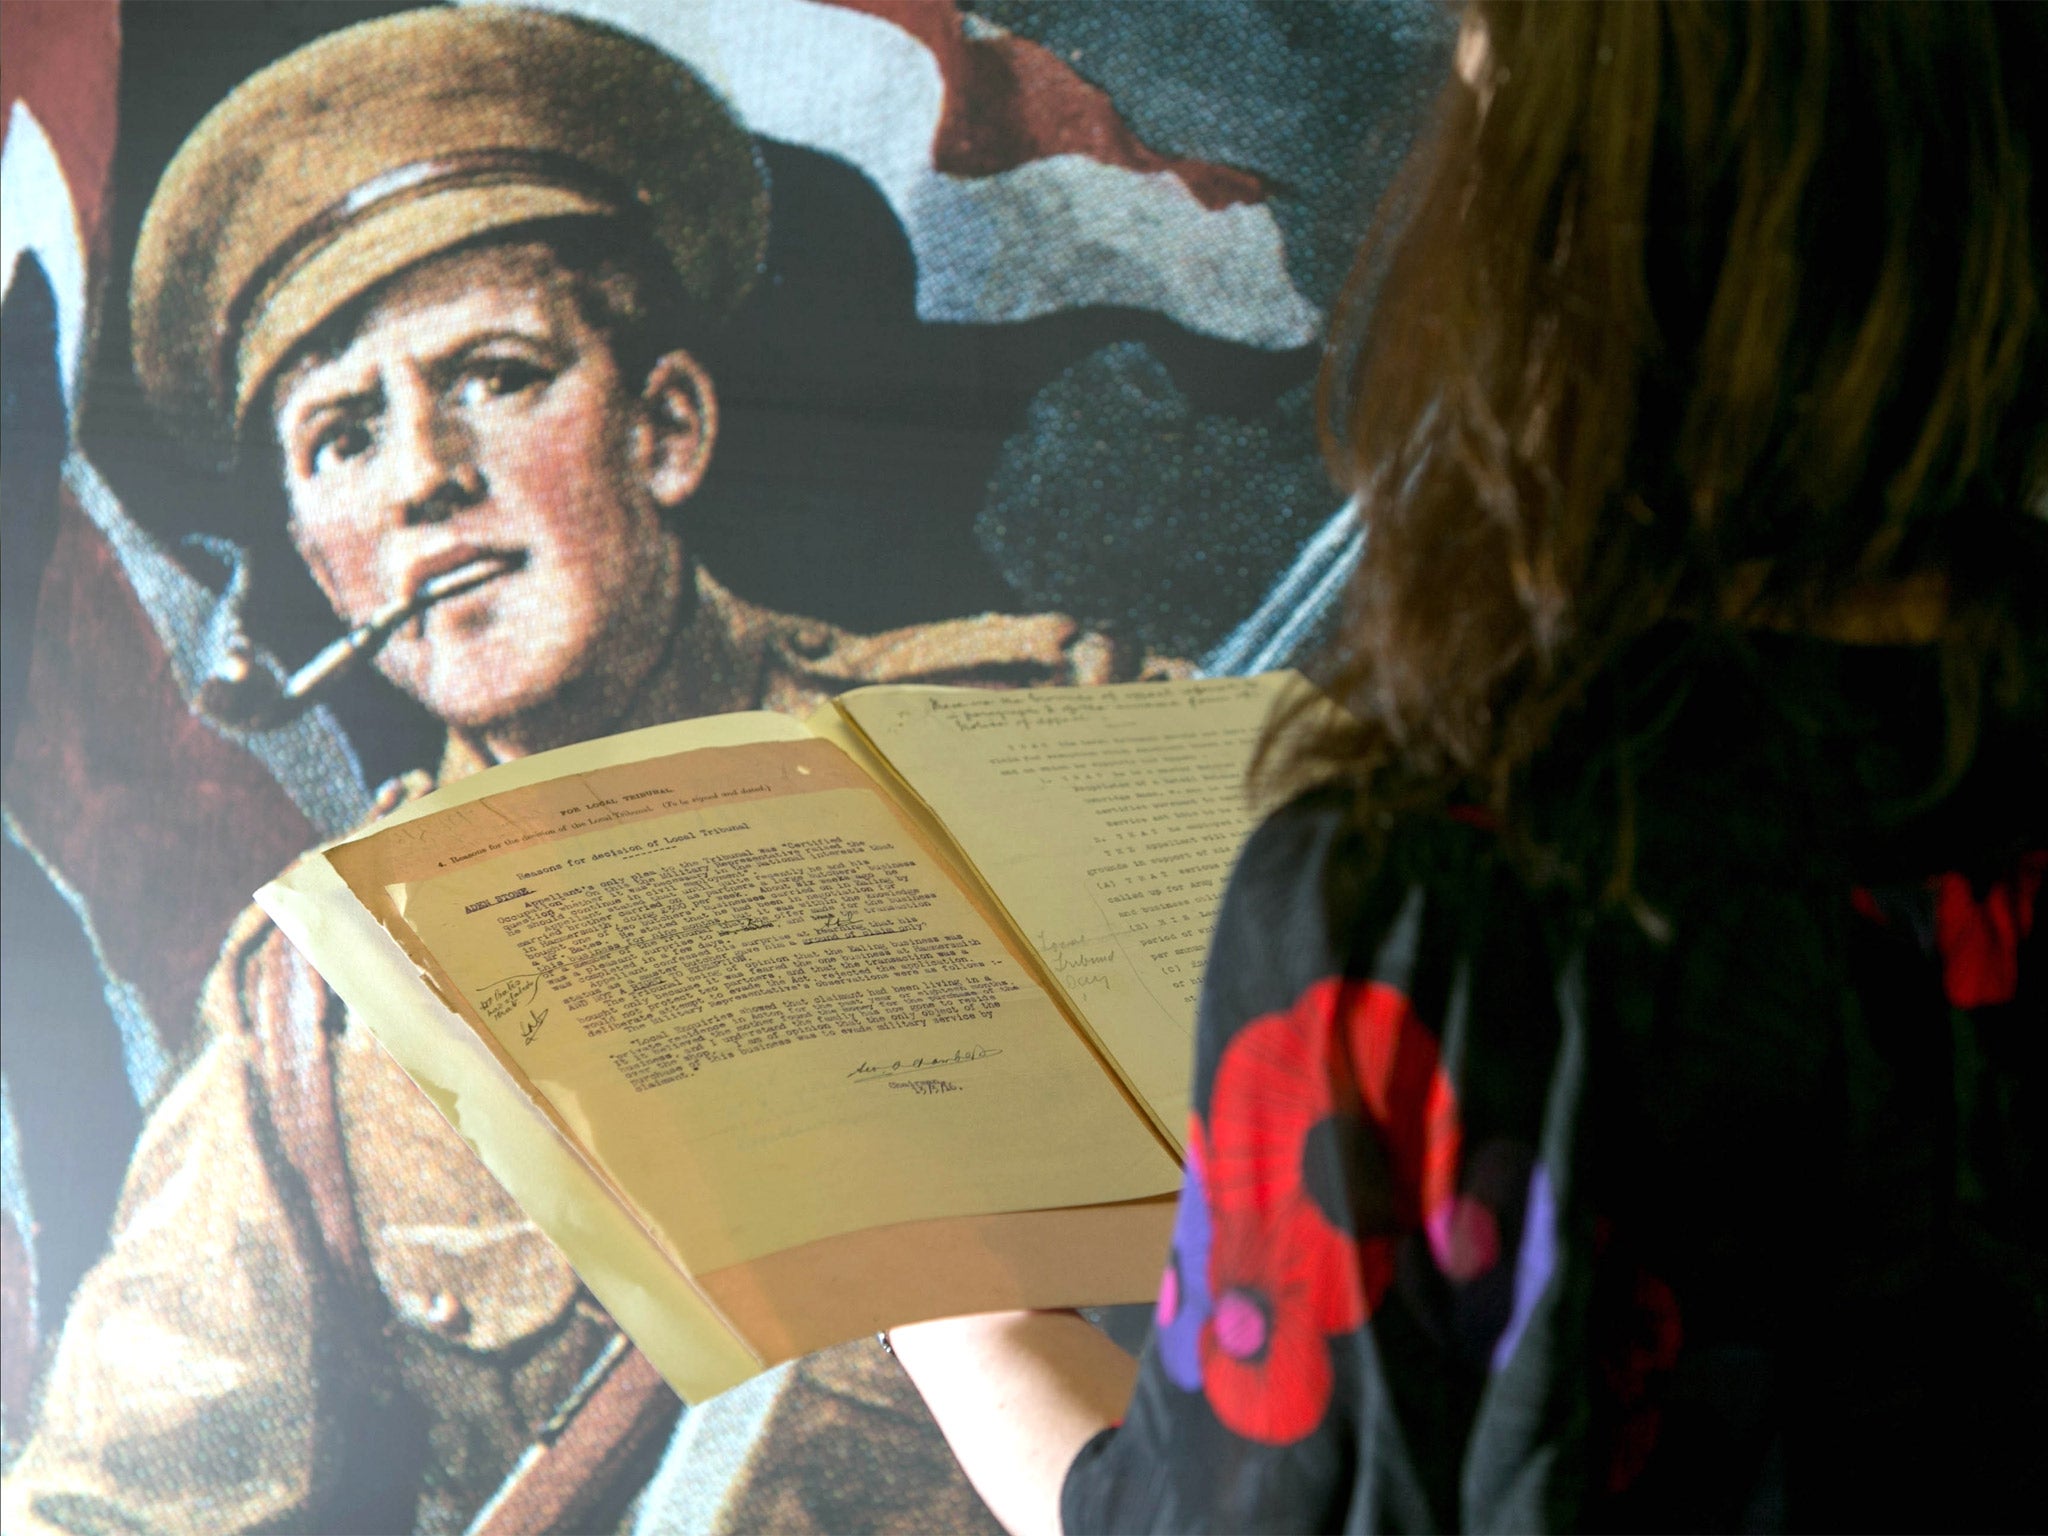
<point>1017,1395</point>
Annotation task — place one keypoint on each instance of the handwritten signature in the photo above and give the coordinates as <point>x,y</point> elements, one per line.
<point>501,1000</point>
<point>535,1018</point>
<point>881,1071</point>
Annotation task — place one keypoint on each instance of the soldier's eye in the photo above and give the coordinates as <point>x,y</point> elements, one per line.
<point>337,444</point>
<point>492,378</point>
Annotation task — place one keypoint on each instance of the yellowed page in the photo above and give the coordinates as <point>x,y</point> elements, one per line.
<point>740,982</point>
<point>1105,820</point>
<point>685,1336</point>
<point>735,730</point>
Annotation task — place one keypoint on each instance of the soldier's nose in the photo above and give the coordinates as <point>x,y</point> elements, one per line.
<point>461,486</point>
<point>434,474</point>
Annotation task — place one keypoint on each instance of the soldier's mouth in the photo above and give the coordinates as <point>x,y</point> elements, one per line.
<point>453,573</point>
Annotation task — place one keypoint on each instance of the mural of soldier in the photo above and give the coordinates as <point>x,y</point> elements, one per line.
<point>317,1230</point>
<point>448,265</point>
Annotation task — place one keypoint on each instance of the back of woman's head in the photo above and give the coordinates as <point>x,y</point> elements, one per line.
<point>1723,313</point>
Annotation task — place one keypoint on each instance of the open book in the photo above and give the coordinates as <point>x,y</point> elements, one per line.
<point>788,1032</point>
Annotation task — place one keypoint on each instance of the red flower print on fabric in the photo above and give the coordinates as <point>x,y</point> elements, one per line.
<point>1349,1065</point>
<point>1979,937</point>
<point>1640,1348</point>
<point>1265,1352</point>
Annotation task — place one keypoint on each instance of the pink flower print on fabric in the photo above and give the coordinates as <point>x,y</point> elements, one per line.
<point>1241,1326</point>
<point>1464,1238</point>
<point>1184,1289</point>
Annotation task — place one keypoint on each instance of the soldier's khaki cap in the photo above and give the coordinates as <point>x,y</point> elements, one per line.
<point>380,145</point>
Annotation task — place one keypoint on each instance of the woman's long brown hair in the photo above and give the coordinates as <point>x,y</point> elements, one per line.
<point>1694,311</point>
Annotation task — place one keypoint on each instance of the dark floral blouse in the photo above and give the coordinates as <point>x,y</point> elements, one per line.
<point>1725,1209</point>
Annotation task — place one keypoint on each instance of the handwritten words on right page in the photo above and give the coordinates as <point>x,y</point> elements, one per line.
<point>1106,821</point>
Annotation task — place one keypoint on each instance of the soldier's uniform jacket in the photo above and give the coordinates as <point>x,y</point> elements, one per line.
<point>319,1309</point>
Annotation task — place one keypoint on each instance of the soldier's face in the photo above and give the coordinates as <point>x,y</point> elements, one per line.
<point>473,411</point>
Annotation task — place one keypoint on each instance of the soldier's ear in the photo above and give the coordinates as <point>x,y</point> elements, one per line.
<point>678,424</point>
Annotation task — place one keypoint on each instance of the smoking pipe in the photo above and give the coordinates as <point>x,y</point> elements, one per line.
<point>246,693</point>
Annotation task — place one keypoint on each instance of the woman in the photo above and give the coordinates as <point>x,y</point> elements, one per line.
<point>1620,1084</point>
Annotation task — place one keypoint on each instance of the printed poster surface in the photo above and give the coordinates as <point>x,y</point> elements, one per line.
<point>590,366</point>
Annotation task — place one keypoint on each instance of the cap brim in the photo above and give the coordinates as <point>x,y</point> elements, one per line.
<point>380,246</point>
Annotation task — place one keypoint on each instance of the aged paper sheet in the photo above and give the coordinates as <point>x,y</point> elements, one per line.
<point>740,981</point>
<point>681,1328</point>
<point>1105,820</point>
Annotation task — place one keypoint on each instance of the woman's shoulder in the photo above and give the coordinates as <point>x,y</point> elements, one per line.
<point>1322,854</point>
<point>1322,847</point>
<point>1319,894</point>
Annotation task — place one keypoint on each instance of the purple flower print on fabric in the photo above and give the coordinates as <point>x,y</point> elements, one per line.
<point>1534,1265</point>
<point>1184,1288</point>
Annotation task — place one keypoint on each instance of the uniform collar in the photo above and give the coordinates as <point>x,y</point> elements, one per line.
<point>714,665</point>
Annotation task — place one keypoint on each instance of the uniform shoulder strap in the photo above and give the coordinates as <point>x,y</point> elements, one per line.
<point>602,1443</point>
<point>293,1018</point>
